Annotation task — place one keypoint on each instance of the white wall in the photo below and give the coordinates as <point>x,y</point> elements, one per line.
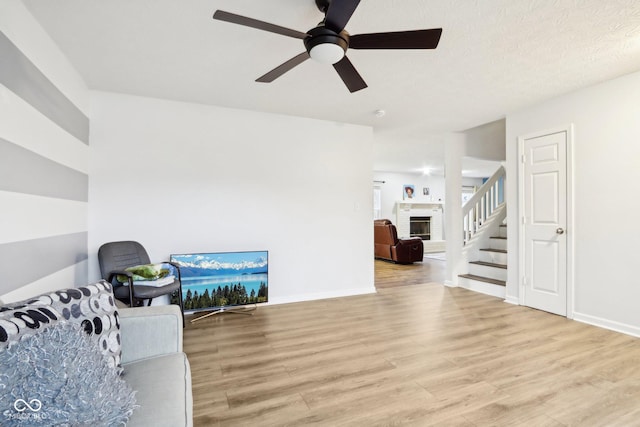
<point>606,192</point>
<point>455,151</point>
<point>183,177</point>
<point>391,190</point>
<point>43,161</point>
<point>486,141</point>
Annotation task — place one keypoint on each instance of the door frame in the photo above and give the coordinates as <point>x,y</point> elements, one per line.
<point>568,128</point>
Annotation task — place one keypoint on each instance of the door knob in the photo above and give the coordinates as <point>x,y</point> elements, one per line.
<point>560,230</point>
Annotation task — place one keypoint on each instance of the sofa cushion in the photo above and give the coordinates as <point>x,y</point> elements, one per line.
<point>59,377</point>
<point>92,306</point>
<point>163,390</point>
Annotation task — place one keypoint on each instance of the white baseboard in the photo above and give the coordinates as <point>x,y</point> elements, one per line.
<point>607,324</point>
<point>450,284</point>
<point>512,300</point>
<point>321,295</point>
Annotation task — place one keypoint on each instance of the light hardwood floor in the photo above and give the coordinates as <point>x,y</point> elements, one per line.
<point>414,355</point>
<point>389,274</point>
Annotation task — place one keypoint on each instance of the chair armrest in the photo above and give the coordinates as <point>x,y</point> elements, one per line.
<point>150,331</point>
<point>408,250</point>
<point>410,241</point>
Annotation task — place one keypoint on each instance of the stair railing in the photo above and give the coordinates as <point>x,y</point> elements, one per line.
<point>482,204</point>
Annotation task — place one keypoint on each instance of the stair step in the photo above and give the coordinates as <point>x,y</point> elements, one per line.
<point>501,251</point>
<point>499,237</point>
<point>484,279</point>
<point>489,269</point>
<point>498,243</point>
<point>493,257</point>
<point>489,264</point>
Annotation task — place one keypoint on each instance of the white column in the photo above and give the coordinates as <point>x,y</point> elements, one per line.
<point>454,151</point>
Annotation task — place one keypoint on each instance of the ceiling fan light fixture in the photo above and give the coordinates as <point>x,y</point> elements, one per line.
<point>326,46</point>
<point>326,53</point>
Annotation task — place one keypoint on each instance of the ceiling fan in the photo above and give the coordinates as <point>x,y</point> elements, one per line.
<point>328,42</point>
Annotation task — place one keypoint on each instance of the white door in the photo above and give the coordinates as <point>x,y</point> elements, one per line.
<point>545,221</point>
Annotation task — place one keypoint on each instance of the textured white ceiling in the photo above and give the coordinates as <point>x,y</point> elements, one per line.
<point>495,56</point>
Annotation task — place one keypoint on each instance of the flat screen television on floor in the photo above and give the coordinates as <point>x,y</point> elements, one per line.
<point>217,281</point>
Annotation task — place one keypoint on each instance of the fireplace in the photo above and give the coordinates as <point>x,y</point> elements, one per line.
<point>420,226</point>
<point>408,211</point>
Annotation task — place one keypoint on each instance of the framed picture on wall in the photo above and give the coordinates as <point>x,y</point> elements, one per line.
<point>425,191</point>
<point>408,190</point>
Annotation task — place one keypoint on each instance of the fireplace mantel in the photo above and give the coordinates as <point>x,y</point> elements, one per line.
<point>414,202</point>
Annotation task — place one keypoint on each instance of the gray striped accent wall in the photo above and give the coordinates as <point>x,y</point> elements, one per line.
<point>37,258</point>
<point>56,256</point>
<point>23,171</point>
<point>24,79</point>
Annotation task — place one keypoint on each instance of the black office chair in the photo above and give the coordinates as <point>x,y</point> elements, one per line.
<point>115,257</point>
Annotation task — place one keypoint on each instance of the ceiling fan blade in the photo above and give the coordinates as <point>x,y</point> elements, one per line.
<point>339,13</point>
<point>281,69</point>
<point>418,39</point>
<point>260,25</point>
<point>349,75</point>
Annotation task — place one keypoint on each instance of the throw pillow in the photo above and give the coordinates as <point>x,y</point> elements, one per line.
<point>59,377</point>
<point>93,306</point>
<point>145,272</point>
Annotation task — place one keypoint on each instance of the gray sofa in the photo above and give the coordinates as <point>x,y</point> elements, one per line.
<point>155,366</point>
<point>73,339</point>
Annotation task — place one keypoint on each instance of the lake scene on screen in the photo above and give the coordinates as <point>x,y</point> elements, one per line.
<point>211,280</point>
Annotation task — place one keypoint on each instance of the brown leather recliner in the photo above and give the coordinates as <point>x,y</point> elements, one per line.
<point>388,246</point>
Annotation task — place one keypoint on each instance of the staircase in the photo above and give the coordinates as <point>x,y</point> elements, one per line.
<point>487,273</point>
<point>485,240</point>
